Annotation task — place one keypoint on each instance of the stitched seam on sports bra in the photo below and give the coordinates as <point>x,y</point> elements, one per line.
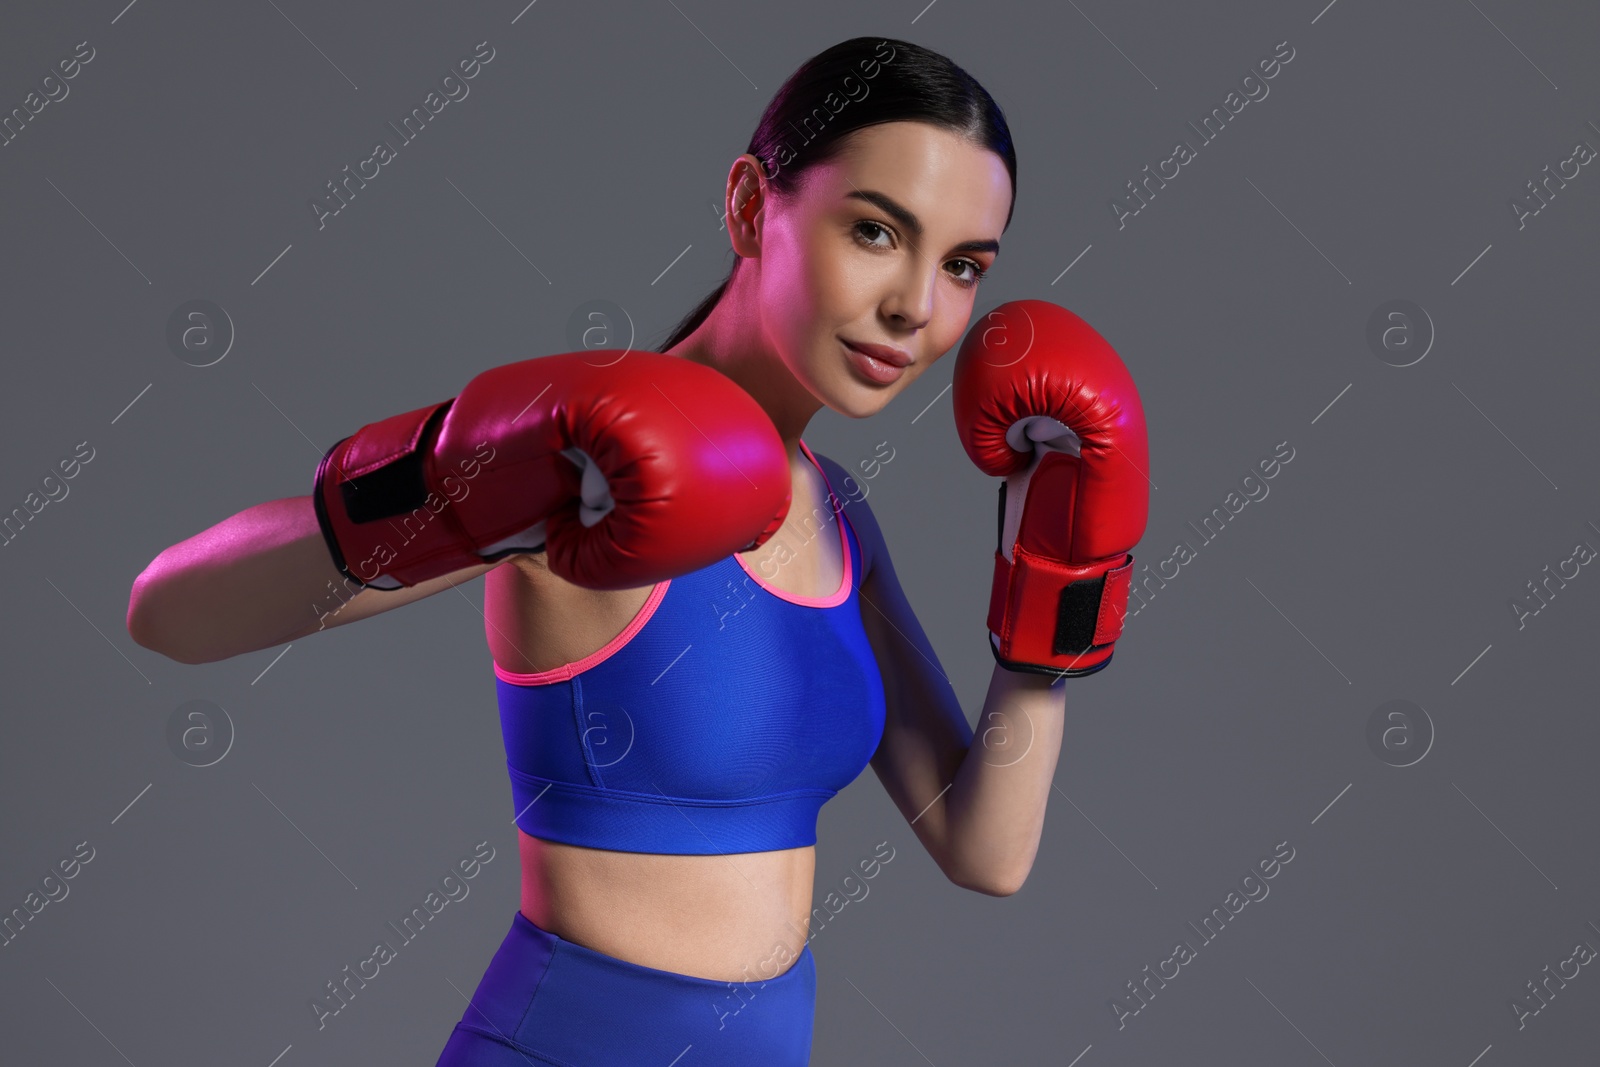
<point>600,655</point>
<point>839,595</point>
<point>578,716</point>
<point>630,796</point>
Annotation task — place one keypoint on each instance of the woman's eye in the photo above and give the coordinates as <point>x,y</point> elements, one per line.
<point>976,271</point>
<point>871,230</point>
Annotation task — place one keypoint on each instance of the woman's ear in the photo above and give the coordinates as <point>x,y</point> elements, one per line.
<point>744,199</point>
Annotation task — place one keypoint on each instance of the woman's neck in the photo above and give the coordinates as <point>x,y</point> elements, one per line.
<point>731,340</point>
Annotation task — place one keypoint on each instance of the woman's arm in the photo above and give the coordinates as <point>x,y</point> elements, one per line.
<point>977,804</point>
<point>266,575</point>
<point>257,579</point>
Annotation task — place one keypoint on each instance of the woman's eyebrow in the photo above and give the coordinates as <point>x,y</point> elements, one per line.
<point>908,219</point>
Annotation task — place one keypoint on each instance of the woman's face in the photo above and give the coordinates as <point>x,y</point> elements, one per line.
<point>883,245</point>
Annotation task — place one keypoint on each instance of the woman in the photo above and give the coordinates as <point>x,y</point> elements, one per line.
<point>868,206</point>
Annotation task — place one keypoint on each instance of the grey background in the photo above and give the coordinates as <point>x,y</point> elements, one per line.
<point>1381,566</point>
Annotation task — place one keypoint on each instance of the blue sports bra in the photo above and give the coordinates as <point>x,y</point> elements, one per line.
<point>719,720</point>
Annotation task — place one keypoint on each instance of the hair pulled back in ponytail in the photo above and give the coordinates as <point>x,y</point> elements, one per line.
<point>861,82</point>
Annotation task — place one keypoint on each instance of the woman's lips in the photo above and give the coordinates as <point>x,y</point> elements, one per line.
<point>867,361</point>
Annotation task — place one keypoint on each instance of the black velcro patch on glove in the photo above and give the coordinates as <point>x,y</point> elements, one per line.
<point>1077,616</point>
<point>390,490</point>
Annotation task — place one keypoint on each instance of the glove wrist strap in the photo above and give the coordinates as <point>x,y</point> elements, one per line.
<point>1055,617</point>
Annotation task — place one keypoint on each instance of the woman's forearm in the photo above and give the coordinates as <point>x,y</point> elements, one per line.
<point>994,811</point>
<point>257,579</point>
<point>247,583</point>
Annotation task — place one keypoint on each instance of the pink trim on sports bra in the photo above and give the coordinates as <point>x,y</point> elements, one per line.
<point>839,595</point>
<point>610,648</point>
<point>659,591</point>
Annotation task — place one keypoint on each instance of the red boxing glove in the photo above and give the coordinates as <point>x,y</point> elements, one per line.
<point>1043,401</point>
<point>630,468</point>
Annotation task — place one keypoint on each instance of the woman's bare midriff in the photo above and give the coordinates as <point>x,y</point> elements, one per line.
<point>737,917</point>
<point>731,918</point>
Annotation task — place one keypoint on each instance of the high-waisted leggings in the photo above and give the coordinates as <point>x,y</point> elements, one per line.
<point>549,1002</point>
